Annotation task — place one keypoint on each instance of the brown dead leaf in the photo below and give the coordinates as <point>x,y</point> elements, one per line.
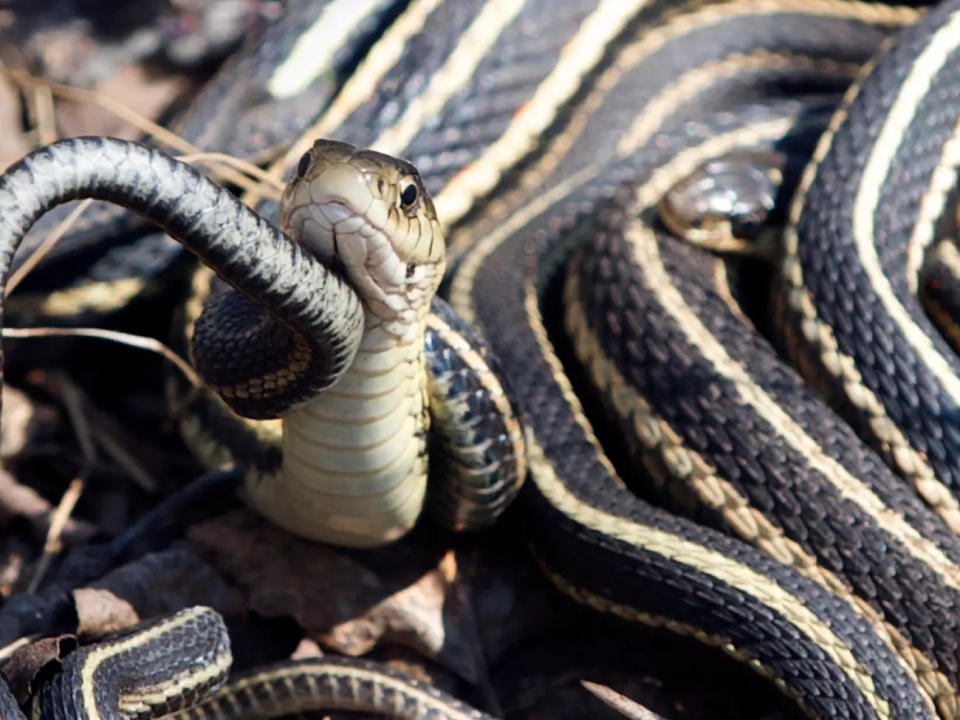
<point>413,616</point>
<point>405,593</point>
<point>306,648</point>
<point>31,664</point>
<point>100,612</point>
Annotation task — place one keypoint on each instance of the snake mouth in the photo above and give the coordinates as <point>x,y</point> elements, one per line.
<point>350,244</point>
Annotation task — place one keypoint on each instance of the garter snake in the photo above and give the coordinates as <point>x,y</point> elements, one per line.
<point>456,44</point>
<point>166,667</point>
<point>844,657</point>
<point>904,405</point>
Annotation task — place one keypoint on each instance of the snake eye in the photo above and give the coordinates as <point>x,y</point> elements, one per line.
<point>408,196</point>
<point>411,269</point>
<point>303,165</point>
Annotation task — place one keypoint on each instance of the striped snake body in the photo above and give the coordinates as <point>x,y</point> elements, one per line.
<point>786,543</point>
<point>728,435</point>
<point>904,401</point>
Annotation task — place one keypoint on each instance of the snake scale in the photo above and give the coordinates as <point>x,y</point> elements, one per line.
<point>733,506</point>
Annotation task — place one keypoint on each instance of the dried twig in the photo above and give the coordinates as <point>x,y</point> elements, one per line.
<point>19,499</point>
<point>621,703</point>
<point>137,341</point>
<point>43,107</point>
<point>161,134</point>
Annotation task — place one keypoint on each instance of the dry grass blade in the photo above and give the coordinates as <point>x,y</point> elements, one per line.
<point>222,166</point>
<point>266,183</point>
<point>21,500</point>
<point>622,704</point>
<point>46,246</point>
<point>137,341</point>
<point>124,459</point>
<point>61,513</point>
<point>162,135</point>
<point>44,113</point>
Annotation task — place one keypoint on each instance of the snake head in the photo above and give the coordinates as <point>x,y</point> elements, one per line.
<point>369,214</point>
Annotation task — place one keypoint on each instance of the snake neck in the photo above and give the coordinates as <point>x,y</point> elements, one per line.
<point>354,458</point>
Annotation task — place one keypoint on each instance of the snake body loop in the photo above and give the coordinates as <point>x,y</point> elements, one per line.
<point>326,684</point>
<point>232,239</point>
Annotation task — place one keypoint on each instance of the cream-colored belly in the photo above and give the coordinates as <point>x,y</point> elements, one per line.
<point>354,459</point>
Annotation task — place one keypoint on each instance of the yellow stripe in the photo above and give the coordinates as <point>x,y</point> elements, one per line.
<point>841,366</point>
<point>711,563</point>
<point>336,678</point>
<point>152,696</point>
<point>99,654</point>
<point>901,115</point>
<point>461,288</point>
<point>313,52</point>
<point>751,525</point>
<point>459,67</point>
<point>712,14</point>
<point>947,256</point>
<point>362,85</point>
<point>691,83</point>
<point>473,360</point>
<point>649,117</point>
<point>633,615</point>
<point>579,57</point>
